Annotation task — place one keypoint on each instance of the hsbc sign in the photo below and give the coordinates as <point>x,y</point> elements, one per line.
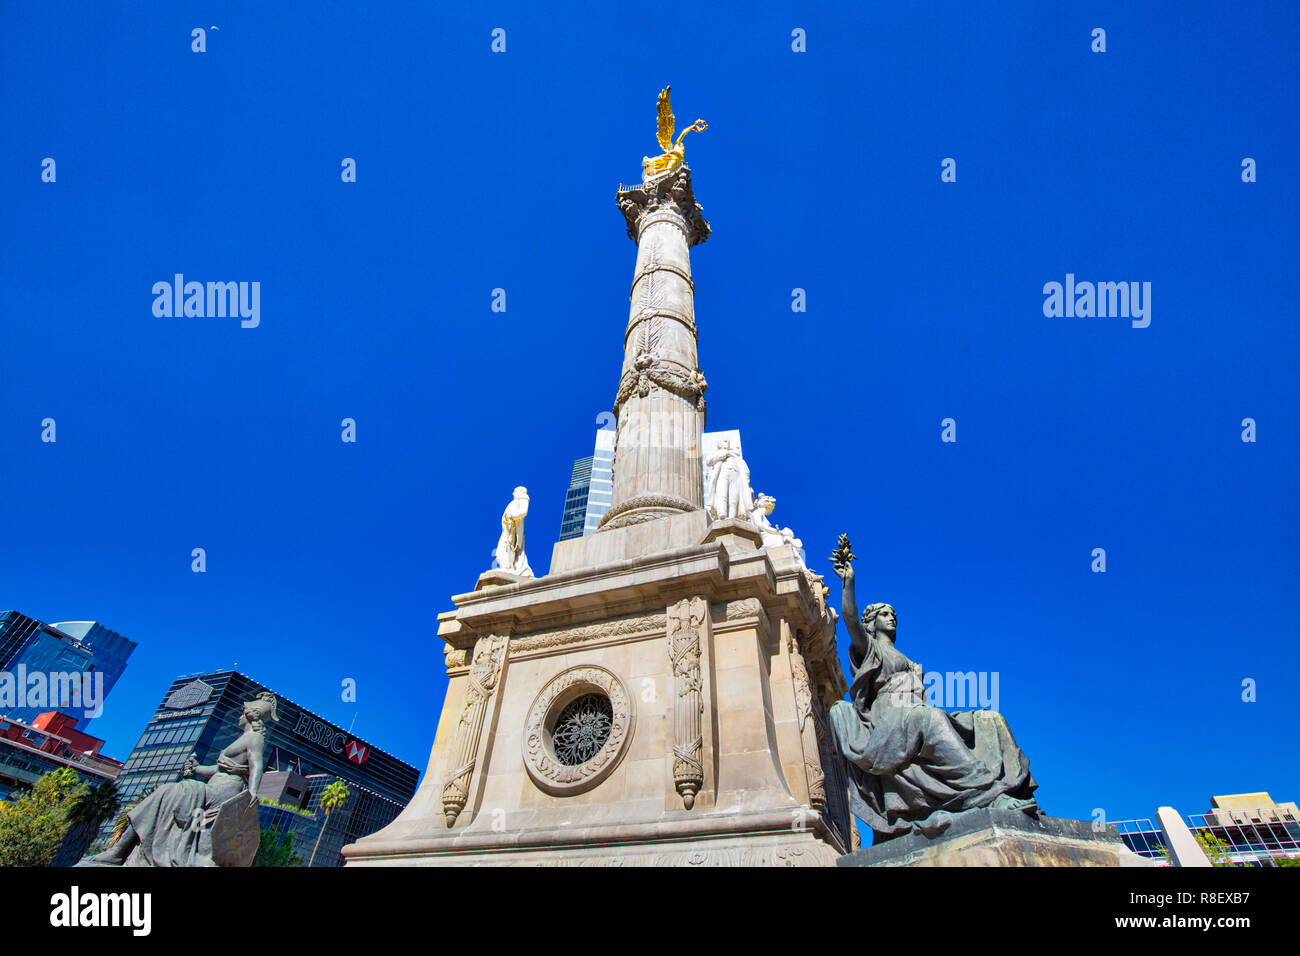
<point>322,734</point>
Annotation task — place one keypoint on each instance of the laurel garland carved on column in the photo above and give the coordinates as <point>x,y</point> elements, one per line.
<point>686,621</point>
<point>649,372</point>
<point>484,674</point>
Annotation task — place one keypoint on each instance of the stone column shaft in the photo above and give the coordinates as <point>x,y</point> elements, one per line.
<point>660,401</point>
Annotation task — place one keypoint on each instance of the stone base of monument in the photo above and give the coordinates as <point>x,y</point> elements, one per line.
<point>714,664</point>
<point>1003,838</point>
<point>710,839</point>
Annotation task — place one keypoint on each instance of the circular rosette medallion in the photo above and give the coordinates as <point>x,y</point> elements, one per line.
<point>577,730</point>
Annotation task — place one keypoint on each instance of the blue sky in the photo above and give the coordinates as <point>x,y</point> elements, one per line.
<point>819,170</point>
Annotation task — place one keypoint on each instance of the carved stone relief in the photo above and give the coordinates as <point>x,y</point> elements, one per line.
<point>484,674</point>
<point>688,621</point>
<point>543,767</point>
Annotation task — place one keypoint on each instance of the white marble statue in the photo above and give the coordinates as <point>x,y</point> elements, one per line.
<point>510,546</point>
<point>726,489</point>
<point>773,536</point>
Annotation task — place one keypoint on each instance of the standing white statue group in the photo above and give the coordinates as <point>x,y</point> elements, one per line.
<point>726,486</point>
<point>510,546</point>
<point>727,494</point>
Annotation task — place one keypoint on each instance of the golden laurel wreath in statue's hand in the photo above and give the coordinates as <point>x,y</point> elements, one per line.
<point>842,558</point>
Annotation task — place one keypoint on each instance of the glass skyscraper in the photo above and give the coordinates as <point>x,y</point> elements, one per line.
<point>15,630</point>
<point>305,753</point>
<point>68,647</point>
<point>591,489</point>
<point>575,501</point>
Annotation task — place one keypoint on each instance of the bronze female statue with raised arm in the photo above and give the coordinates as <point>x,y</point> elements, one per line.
<point>209,816</point>
<point>914,766</point>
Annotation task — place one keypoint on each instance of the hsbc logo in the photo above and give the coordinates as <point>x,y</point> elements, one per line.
<point>321,733</point>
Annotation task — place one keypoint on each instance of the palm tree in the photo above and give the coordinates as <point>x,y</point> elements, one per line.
<point>87,815</point>
<point>335,795</point>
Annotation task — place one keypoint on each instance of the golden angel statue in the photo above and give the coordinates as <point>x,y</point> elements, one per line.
<point>673,153</point>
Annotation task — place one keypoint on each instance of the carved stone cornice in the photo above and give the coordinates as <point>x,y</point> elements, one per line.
<point>665,198</point>
<point>586,633</point>
<point>621,586</point>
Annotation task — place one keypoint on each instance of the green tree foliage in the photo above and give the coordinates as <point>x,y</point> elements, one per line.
<point>1217,851</point>
<point>276,849</point>
<point>33,826</point>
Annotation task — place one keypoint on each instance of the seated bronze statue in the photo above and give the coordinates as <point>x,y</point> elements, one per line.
<point>209,816</point>
<point>913,766</point>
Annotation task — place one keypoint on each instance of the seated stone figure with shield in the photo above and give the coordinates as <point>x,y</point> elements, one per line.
<point>209,816</point>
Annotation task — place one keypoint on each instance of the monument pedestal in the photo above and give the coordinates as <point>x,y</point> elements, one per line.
<point>1003,838</point>
<point>704,674</point>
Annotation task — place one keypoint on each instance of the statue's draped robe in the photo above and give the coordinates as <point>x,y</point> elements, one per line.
<point>163,819</point>
<point>728,478</point>
<point>915,766</point>
<point>510,546</point>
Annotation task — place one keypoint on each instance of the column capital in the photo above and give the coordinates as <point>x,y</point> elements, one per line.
<point>666,197</point>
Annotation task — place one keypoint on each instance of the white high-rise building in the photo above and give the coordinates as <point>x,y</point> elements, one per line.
<point>591,489</point>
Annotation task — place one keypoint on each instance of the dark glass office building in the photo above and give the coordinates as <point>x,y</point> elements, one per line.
<point>108,648</point>
<point>15,630</point>
<point>575,500</point>
<point>305,753</point>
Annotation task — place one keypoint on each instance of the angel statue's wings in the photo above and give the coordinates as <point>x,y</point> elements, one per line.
<point>666,121</point>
